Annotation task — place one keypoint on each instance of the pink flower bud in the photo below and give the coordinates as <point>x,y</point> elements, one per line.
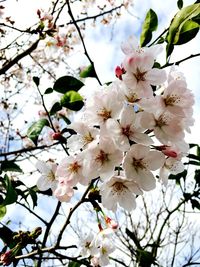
<point>170,153</point>
<point>119,71</point>
<point>111,223</point>
<point>7,258</point>
<point>39,13</point>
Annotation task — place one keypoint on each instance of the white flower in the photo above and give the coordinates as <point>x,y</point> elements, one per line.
<point>177,99</point>
<point>119,190</point>
<point>102,106</point>
<point>104,247</point>
<point>64,191</point>
<point>86,244</point>
<point>138,164</point>
<point>166,126</point>
<point>102,159</point>
<point>86,137</point>
<point>71,169</point>
<point>140,74</point>
<point>171,166</point>
<point>127,129</point>
<point>48,178</point>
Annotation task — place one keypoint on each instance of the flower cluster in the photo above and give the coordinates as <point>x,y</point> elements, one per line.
<point>130,131</point>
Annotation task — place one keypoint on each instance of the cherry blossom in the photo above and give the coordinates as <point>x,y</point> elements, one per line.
<point>127,129</point>
<point>86,137</point>
<point>177,99</point>
<point>171,166</point>
<point>103,247</point>
<point>138,164</point>
<point>48,177</point>
<point>166,126</point>
<point>64,191</point>
<point>102,106</point>
<point>71,169</point>
<point>86,244</point>
<point>119,191</point>
<point>102,159</point>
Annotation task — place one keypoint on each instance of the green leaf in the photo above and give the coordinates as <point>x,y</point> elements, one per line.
<point>33,196</point>
<point>88,72</point>
<point>35,129</point>
<point>184,15</point>
<point>65,119</point>
<point>169,49</point>
<point>36,80</point>
<point>56,107</point>
<point>10,166</point>
<point>67,83</point>
<point>180,4</point>
<point>188,31</point>
<point>11,195</point>
<point>48,91</point>
<point>150,24</point>
<point>196,19</point>
<point>74,264</point>
<point>6,235</point>
<point>2,211</point>
<point>72,100</point>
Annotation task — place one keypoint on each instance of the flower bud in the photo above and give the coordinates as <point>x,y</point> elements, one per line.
<point>111,223</point>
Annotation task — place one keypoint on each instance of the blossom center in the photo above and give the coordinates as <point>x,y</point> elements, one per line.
<point>102,157</point>
<point>162,121</point>
<point>126,130</point>
<point>138,164</point>
<point>140,76</point>
<point>74,167</point>
<point>170,100</point>
<point>87,138</point>
<point>50,176</point>
<point>118,187</point>
<point>104,113</point>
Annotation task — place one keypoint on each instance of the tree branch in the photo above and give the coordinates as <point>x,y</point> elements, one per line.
<point>15,60</point>
<point>81,38</point>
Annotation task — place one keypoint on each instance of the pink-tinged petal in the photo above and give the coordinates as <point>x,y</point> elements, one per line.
<point>163,175</point>
<point>130,45</point>
<point>156,76</point>
<point>144,89</point>
<point>155,50</point>
<point>155,160</point>
<point>147,120</point>
<point>138,151</point>
<point>113,128</point>
<point>42,183</point>
<point>141,138</point>
<point>130,81</point>
<point>128,202</point>
<point>146,62</point>
<point>42,166</point>
<point>127,116</point>
<point>146,180</point>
